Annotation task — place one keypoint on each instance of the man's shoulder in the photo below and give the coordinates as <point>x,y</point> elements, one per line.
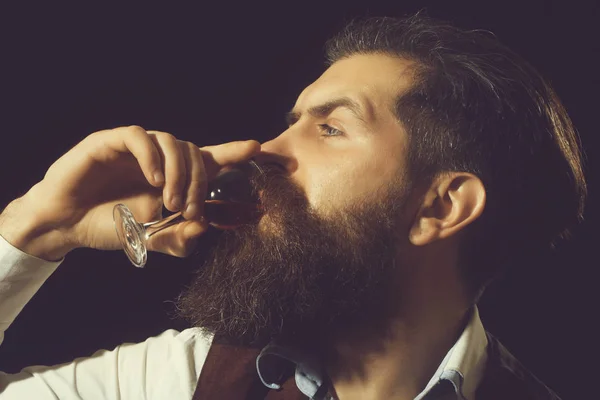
<point>506,378</point>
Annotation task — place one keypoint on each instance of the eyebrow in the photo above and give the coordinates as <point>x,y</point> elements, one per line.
<point>323,110</point>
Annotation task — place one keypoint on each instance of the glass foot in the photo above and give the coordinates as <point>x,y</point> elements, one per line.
<point>131,235</point>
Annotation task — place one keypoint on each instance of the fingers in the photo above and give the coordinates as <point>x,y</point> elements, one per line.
<point>180,167</point>
<point>195,192</point>
<point>134,140</point>
<point>216,157</point>
<point>175,169</point>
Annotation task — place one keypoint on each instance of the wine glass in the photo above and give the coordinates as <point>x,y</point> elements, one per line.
<point>230,203</point>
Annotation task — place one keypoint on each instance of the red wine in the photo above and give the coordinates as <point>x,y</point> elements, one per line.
<point>231,214</point>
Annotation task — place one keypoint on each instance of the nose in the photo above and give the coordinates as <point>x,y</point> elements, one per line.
<point>279,152</point>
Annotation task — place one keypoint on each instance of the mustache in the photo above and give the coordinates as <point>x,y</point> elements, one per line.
<point>276,190</point>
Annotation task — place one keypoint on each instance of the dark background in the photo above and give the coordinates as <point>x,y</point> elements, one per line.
<point>229,71</point>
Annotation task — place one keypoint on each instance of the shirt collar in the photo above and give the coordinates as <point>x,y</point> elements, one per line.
<point>464,363</point>
<point>462,366</point>
<point>468,356</point>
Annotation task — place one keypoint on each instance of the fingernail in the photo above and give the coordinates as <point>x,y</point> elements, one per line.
<point>191,209</point>
<point>159,177</point>
<point>176,201</point>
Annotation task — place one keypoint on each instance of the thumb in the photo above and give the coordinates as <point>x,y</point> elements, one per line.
<point>178,240</point>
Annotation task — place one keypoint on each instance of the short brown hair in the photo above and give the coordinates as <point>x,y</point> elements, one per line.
<point>478,107</point>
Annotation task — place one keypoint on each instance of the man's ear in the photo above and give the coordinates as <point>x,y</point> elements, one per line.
<point>453,201</point>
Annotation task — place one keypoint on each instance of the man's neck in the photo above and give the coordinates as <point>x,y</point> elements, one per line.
<point>400,364</point>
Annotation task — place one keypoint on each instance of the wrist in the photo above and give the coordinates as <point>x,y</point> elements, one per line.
<point>22,228</point>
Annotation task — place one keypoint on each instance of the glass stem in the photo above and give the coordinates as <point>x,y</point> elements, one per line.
<point>155,226</point>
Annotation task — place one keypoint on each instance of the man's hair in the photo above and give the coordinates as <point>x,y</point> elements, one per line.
<point>475,106</point>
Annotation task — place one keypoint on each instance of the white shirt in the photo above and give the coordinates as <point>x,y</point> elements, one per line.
<point>165,367</point>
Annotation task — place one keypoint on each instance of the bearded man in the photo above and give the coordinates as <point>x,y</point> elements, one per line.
<point>413,171</point>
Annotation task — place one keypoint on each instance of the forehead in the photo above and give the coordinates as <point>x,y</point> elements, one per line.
<point>374,80</point>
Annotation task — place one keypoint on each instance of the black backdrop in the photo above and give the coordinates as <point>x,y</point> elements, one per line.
<point>229,71</point>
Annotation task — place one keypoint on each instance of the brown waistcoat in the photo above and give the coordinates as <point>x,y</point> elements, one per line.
<point>229,373</point>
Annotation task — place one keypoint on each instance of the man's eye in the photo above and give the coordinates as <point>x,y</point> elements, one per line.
<point>329,131</point>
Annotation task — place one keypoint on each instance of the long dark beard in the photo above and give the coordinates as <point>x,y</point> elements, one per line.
<point>303,275</point>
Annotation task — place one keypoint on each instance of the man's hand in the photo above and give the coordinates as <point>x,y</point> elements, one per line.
<point>72,206</point>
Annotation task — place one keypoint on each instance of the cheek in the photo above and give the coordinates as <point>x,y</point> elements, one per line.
<point>347,183</point>
<point>336,176</point>
<point>325,187</point>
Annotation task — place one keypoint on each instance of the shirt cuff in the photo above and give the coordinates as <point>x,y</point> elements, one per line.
<point>21,275</point>
<point>9,253</point>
